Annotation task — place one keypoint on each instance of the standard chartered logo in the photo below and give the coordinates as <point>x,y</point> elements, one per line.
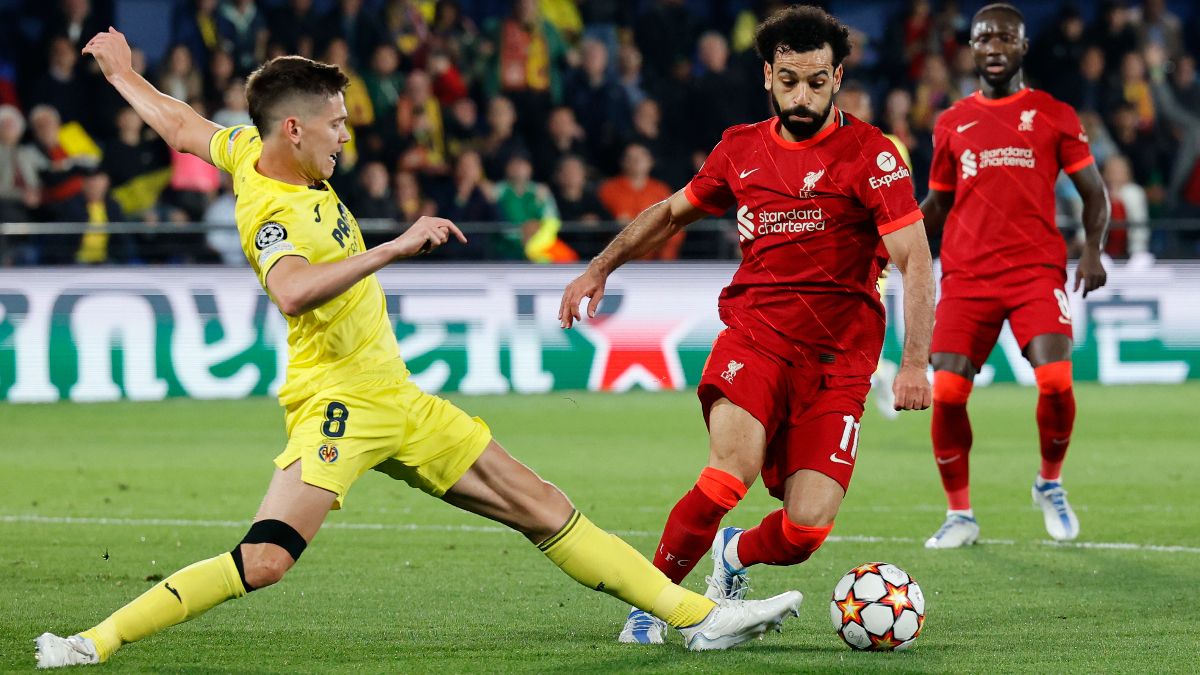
<point>775,222</point>
<point>969,164</point>
<point>745,223</point>
<point>1009,156</point>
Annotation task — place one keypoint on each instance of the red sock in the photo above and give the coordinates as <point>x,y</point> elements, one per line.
<point>779,541</point>
<point>1055,415</point>
<point>951,433</point>
<point>693,523</point>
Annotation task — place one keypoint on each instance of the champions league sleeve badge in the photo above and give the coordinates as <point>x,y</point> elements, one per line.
<point>270,239</point>
<point>269,234</point>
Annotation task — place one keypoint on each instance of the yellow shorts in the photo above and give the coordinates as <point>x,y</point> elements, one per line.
<point>381,421</point>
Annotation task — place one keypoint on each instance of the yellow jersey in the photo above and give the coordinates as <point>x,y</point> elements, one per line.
<point>349,334</point>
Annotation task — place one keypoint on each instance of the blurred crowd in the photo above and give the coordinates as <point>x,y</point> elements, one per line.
<point>530,113</point>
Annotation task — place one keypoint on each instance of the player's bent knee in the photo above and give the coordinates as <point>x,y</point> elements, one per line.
<point>811,515</point>
<point>958,364</point>
<point>264,565</point>
<point>260,566</point>
<point>1053,378</point>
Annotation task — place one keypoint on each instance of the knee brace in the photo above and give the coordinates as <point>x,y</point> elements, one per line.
<point>1053,378</point>
<point>269,532</point>
<point>951,388</point>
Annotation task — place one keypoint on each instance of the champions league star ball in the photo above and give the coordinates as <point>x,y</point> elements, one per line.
<point>877,606</point>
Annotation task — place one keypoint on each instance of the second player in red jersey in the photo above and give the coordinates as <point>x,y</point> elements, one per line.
<point>814,192</point>
<point>997,155</point>
<point>1000,157</point>
<point>810,215</point>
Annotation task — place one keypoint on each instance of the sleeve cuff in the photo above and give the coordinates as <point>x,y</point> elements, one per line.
<point>940,187</point>
<point>901,222</point>
<point>696,202</point>
<point>270,263</point>
<point>1081,164</point>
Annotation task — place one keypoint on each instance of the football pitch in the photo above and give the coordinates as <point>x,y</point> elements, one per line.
<point>97,501</point>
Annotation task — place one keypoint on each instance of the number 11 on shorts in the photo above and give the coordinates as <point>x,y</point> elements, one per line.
<point>849,440</point>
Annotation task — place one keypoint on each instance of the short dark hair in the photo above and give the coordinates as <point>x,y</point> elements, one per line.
<point>802,29</point>
<point>1000,7</point>
<point>284,79</point>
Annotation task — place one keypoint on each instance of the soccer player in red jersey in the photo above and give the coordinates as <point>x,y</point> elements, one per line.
<point>815,190</point>
<point>996,156</point>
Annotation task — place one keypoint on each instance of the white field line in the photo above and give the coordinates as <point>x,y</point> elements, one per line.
<point>416,527</point>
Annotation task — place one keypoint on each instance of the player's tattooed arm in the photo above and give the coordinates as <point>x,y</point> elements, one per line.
<point>909,249</point>
<point>649,230</point>
<point>181,127</point>
<point>935,208</point>
<point>1090,273</point>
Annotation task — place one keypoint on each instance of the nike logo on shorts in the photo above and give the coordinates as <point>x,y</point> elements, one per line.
<point>743,174</point>
<point>834,458</point>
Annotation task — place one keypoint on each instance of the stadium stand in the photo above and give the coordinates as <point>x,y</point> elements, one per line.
<point>452,103</point>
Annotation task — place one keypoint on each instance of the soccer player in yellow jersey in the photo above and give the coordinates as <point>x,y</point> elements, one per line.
<point>349,404</point>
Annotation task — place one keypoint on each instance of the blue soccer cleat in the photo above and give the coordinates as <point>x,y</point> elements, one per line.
<point>643,628</point>
<point>1061,523</point>
<point>726,581</point>
<point>958,531</point>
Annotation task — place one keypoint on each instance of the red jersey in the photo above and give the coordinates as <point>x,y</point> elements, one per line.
<point>810,215</point>
<point>1001,158</point>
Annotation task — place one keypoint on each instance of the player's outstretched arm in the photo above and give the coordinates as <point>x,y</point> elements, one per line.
<point>1090,273</point>
<point>909,248</point>
<point>180,126</point>
<point>652,228</point>
<point>298,286</point>
<point>935,208</point>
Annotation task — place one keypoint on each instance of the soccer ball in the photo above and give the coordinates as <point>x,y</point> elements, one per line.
<point>878,606</point>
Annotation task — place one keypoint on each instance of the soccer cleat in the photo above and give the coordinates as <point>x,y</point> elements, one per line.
<point>56,652</point>
<point>733,622</point>
<point>1061,523</point>
<point>956,532</point>
<point>726,583</point>
<point>643,628</point>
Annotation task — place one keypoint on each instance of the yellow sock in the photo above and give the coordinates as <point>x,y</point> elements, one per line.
<point>605,563</point>
<point>184,595</point>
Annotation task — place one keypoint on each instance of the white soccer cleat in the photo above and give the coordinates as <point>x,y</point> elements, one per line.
<point>733,622</point>
<point>881,386</point>
<point>1061,523</point>
<point>726,582</point>
<point>643,628</point>
<point>57,652</point>
<point>959,530</point>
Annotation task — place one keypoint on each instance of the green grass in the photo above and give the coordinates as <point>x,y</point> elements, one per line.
<point>439,599</point>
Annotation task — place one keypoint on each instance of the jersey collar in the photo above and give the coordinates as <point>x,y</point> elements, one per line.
<point>839,120</point>
<point>288,187</point>
<point>980,98</point>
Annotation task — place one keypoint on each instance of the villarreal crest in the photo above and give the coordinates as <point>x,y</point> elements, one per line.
<point>327,453</point>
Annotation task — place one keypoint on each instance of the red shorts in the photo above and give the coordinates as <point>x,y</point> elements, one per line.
<point>811,417</point>
<point>969,318</point>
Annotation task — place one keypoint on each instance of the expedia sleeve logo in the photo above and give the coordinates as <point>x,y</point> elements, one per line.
<point>886,161</point>
<point>268,235</point>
